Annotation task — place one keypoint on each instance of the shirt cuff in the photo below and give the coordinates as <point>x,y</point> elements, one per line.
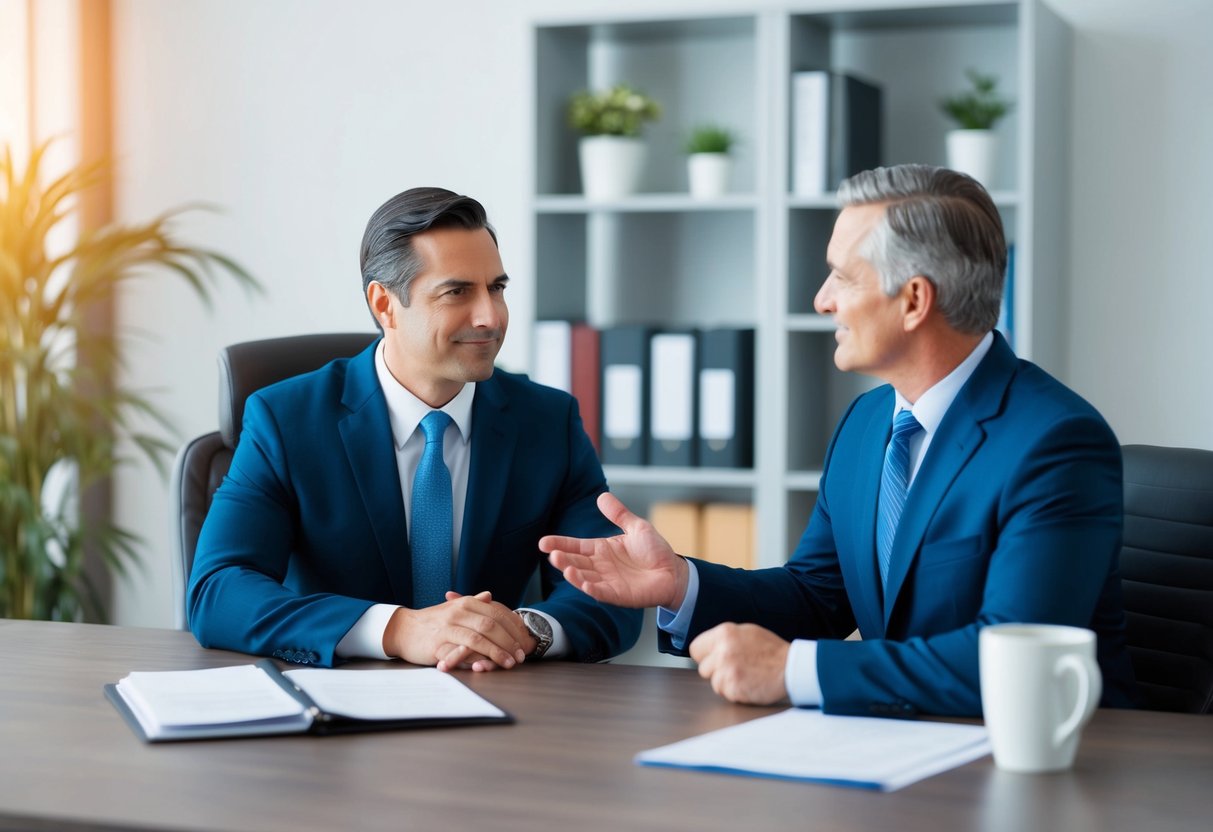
<point>560,641</point>
<point>800,674</point>
<point>365,639</point>
<point>678,623</point>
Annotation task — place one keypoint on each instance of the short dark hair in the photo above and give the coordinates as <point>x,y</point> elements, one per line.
<point>388,256</point>
<point>940,224</point>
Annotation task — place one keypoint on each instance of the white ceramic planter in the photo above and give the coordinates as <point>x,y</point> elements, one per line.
<point>974,152</point>
<point>709,174</point>
<point>611,166</point>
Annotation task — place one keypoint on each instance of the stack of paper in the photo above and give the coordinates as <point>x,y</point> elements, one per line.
<point>807,745</point>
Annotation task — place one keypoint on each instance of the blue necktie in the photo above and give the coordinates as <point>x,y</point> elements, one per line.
<point>894,483</point>
<point>431,527</point>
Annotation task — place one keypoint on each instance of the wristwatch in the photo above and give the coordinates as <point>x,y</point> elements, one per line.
<point>540,630</point>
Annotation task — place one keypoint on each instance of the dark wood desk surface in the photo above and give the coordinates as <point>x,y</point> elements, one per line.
<point>68,761</point>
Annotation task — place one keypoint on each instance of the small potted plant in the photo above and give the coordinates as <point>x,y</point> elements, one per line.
<point>708,160</point>
<point>611,150</point>
<point>973,147</point>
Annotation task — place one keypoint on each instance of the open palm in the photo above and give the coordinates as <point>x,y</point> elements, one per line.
<point>635,569</point>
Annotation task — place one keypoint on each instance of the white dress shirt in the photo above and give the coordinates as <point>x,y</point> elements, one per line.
<point>800,673</point>
<point>405,412</point>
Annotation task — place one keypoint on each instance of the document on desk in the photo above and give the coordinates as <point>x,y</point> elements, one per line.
<point>258,699</point>
<point>807,745</point>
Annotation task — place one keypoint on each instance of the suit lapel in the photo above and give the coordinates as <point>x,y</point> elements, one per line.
<point>494,435</point>
<point>958,438</point>
<point>367,435</point>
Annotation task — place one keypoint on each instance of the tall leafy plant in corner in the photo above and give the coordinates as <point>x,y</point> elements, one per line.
<point>61,413</point>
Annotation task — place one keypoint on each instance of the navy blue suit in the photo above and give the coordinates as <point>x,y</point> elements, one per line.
<point>308,529</point>
<point>1015,514</point>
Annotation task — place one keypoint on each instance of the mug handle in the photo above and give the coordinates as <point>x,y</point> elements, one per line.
<point>1090,687</point>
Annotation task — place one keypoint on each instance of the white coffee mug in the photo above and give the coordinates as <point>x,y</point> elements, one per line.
<point>1039,685</point>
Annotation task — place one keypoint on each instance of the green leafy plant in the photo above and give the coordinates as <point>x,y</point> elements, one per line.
<point>62,415</point>
<point>618,111</point>
<point>978,108</point>
<point>710,138</point>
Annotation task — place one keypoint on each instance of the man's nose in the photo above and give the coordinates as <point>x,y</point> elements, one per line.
<point>488,309</point>
<point>823,302</point>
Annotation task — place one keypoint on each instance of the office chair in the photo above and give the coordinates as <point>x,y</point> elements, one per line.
<point>1167,575</point>
<point>202,462</point>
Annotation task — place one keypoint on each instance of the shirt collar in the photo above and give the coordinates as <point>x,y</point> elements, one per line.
<point>932,405</point>
<point>405,411</point>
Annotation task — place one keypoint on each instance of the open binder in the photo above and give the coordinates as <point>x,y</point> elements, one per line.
<point>258,700</point>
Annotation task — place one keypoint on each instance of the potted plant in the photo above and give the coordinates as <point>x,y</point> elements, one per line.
<point>973,147</point>
<point>63,418</point>
<point>708,160</point>
<point>611,151</point>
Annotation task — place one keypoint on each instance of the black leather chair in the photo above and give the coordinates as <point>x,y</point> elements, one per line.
<point>1167,571</point>
<point>202,463</point>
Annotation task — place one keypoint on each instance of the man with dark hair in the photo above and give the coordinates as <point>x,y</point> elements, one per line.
<point>391,504</point>
<point>971,489</point>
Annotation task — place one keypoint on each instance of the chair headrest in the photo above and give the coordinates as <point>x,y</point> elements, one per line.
<point>246,368</point>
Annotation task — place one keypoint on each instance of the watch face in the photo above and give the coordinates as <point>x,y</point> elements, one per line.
<point>540,630</point>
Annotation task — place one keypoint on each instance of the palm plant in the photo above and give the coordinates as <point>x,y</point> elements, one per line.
<point>61,414</point>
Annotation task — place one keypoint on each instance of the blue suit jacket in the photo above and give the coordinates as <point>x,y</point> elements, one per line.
<point>1015,514</point>
<point>308,529</point>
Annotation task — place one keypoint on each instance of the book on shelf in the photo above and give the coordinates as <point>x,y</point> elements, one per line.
<point>672,398</point>
<point>678,522</point>
<point>567,358</point>
<point>836,129</point>
<point>625,395</point>
<point>718,532</point>
<point>810,132</point>
<point>727,534</point>
<point>726,398</point>
<point>258,699</point>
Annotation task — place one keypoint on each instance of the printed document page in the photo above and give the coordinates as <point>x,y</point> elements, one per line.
<point>171,703</point>
<point>800,744</point>
<point>425,693</point>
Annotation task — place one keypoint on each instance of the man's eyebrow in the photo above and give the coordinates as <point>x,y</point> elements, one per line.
<point>452,283</point>
<point>460,283</point>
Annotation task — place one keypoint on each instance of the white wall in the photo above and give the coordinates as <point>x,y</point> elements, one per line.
<point>1141,300</point>
<point>300,118</point>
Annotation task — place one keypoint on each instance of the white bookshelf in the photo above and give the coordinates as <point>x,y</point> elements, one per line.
<point>756,256</point>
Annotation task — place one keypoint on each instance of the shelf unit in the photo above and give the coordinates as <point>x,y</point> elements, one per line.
<point>756,256</point>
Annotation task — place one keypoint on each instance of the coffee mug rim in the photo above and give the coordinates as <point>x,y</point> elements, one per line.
<point>1053,634</point>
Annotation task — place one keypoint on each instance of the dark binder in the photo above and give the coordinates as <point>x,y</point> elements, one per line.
<point>855,127</point>
<point>625,395</point>
<point>314,720</point>
<point>726,416</point>
<point>673,437</point>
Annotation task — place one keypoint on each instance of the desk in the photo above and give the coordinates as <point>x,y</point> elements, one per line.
<point>68,761</point>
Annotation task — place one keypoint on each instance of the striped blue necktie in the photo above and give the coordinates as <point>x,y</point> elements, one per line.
<point>894,483</point>
<point>430,534</point>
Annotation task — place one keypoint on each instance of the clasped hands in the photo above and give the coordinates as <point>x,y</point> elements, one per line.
<point>466,631</point>
<point>744,662</point>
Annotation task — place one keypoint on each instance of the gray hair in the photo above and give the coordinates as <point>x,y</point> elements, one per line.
<point>388,255</point>
<point>939,224</point>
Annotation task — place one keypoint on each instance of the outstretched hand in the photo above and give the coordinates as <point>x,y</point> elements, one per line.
<point>635,569</point>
